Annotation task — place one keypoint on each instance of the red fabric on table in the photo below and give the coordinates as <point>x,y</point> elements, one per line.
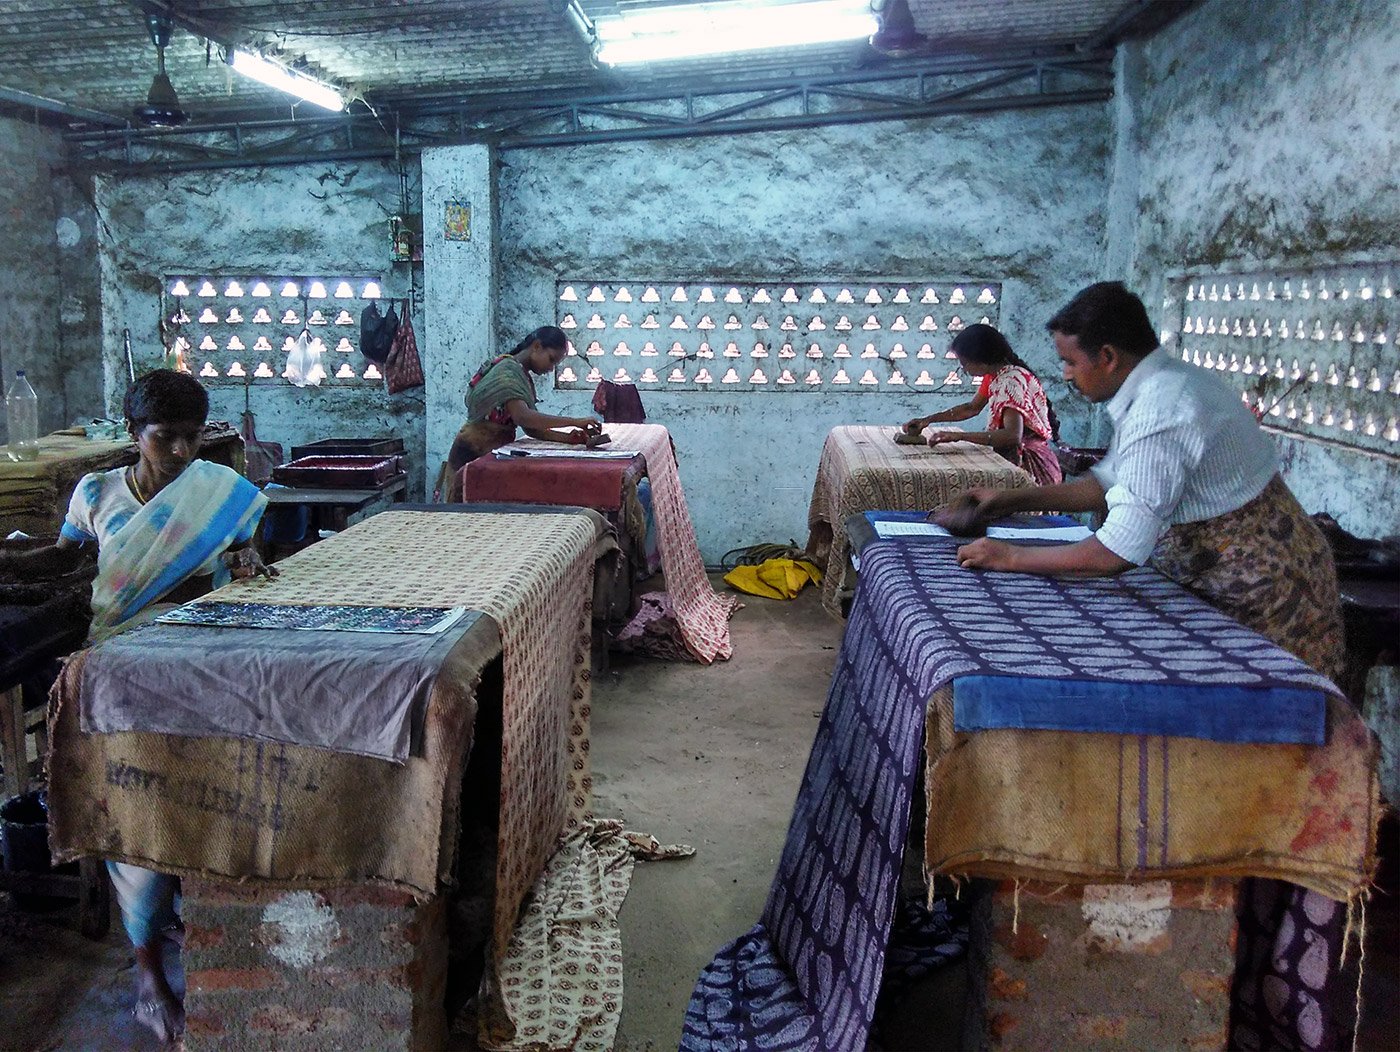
<point>597,484</point>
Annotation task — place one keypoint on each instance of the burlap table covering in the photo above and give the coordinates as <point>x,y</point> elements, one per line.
<point>532,575</point>
<point>1106,808</point>
<point>34,494</point>
<point>862,469</point>
<point>282,814</point>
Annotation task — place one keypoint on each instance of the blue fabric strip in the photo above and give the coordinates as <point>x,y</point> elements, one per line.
<point>1024,522</point>
<point>1273,715</point>
<point>72,533</point>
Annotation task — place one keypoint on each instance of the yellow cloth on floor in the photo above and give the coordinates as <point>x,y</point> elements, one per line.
<point>774,578</point>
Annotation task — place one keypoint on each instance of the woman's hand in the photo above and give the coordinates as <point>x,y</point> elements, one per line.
<point>245,564</point>
<point>939,438</point>
<point>913,427</point>
<point>590,424</point>
<point>987,554</point>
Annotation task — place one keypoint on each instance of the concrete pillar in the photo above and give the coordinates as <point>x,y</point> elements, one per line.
<point>459,286</point>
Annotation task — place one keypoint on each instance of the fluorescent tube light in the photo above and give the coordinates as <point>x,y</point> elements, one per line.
<point>661,34</point>
<point>276,75</point>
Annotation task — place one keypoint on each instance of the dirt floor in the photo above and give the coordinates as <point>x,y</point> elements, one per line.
<point>711,757</point>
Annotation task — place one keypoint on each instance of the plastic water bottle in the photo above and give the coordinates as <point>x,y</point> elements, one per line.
<point>22,418</point>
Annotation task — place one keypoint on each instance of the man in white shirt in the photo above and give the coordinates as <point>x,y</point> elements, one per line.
<point>1190,484</point>
<point>1184,449</point>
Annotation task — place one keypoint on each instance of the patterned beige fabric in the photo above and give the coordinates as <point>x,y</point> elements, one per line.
<point>538,586</point>
<point>702,614</point>
<point>862,469</point>
<point>559,984</point>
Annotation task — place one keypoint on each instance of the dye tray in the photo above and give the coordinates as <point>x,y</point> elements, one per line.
<point>350,447</point>
<point>338,472</point>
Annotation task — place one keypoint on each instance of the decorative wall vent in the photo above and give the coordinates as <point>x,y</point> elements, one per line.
<point>239,329</point>
<point>1312,352</point>
<point>843,336</point>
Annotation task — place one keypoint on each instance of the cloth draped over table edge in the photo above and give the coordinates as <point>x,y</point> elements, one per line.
<point>510,1015</point>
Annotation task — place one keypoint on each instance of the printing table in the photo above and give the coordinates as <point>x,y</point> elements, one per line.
<point>862,469</point>
<point>1115,752</point>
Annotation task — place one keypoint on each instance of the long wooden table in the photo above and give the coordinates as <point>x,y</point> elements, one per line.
<point>289,815</point>
<point>862,469</point>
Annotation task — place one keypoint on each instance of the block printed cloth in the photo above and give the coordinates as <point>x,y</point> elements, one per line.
<point>862,469</point>
<point>807,976</point>
<point>701,614</point>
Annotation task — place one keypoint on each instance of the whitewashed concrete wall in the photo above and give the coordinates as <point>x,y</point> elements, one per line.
<point>1018,196</point>
<point>38,236</point>
<point>1265,134</point>
<point>328,218</point>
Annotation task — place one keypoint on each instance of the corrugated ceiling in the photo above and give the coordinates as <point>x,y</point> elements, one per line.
<point>95,53</point>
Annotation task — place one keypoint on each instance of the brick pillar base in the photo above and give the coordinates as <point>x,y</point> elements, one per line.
<point>350,968</point>
<point>1100,966</point>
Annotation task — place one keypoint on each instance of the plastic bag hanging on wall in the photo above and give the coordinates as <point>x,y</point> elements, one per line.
<point>299,361</point>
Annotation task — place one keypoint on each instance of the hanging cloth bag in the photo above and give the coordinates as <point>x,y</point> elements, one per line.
<point>377,332</point>
<point>403,370</point>
<point>259,458</point>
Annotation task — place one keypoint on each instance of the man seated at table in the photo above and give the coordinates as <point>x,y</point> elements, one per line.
<point>1191,487</point>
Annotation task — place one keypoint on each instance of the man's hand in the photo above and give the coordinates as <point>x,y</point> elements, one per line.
<point>987,554</point>
<point>968,514</point>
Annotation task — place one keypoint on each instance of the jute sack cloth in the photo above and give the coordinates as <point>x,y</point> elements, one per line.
<point>1104,808</point>
<point>238,808</point>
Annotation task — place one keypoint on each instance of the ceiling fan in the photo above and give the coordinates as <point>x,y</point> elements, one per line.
<point>162,108</point>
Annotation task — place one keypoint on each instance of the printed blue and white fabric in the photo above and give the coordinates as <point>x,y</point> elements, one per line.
<point>1031,652</point>
<point>807,976</point>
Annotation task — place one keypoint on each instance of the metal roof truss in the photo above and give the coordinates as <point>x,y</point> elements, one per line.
<point>901,91</point>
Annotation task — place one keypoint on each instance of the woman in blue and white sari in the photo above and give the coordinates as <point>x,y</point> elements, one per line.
<point>167,528</point>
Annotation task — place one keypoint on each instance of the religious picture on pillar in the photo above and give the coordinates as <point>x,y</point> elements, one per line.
<point>457,221</point>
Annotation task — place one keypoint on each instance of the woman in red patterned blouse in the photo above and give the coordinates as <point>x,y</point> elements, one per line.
<point>1020,420</point>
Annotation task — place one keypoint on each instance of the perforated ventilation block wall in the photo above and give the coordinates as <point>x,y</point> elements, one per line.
<point>237,329</point>
<point>765,336</point>
<point>1312,352</point>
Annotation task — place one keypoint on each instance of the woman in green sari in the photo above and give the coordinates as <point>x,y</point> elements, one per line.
<point>501,397</point>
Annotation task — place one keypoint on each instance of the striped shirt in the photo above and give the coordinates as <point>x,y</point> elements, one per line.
<point>1184,449</point>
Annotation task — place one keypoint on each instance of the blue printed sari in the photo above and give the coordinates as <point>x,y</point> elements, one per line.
<point>182,531</point>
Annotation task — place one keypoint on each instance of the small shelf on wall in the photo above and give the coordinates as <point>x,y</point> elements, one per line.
<point>838,335</point>
<point>1312,351</point>
<point>236,329</point>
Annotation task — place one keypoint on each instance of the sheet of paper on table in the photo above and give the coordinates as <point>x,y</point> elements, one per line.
<point>1048,533</point>
<point>886,529</point>
<point>507,452</point>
